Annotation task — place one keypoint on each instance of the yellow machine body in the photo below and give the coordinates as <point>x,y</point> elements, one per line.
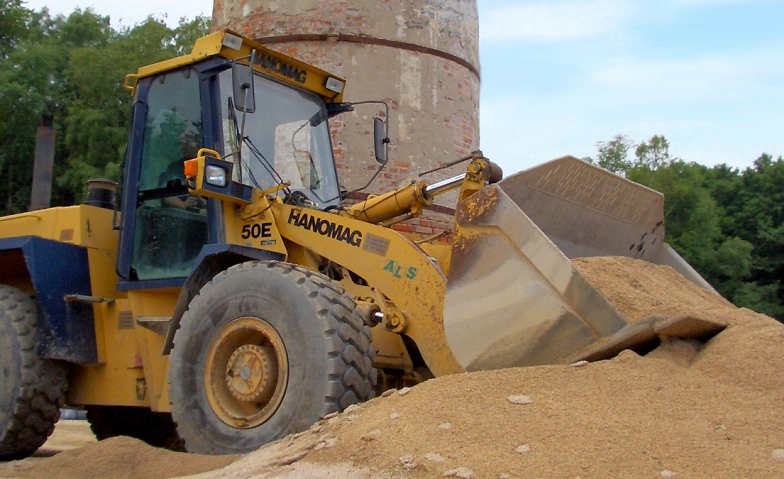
<point>501,293</point>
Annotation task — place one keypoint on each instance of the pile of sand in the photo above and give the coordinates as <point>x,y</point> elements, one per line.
<point>638,288</point>
<point>121,458</point>
<point>686,410</point>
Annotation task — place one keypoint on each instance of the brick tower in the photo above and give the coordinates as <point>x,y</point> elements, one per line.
<point>420,56</point>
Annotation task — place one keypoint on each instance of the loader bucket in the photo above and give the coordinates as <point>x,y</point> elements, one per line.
<point>513,297</point>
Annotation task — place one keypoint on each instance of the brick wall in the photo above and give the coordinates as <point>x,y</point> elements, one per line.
<point>427,76</point>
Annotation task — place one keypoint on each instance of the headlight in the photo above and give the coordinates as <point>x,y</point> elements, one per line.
<point>215,176</point>
<point>232,41</point>
<point>333,84</point>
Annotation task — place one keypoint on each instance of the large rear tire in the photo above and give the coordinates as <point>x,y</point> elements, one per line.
<point>32,390</point>
<point>265,350</point>
<point>155,428</point>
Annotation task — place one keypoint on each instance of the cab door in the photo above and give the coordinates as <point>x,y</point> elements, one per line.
<point>164,227</point>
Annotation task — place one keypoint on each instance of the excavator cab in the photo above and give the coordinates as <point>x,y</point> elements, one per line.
<point>282,140</point>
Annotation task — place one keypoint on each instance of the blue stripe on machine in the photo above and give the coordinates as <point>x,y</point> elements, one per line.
<point>66,330</point>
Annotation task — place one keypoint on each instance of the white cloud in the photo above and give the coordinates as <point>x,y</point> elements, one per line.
<point>554,20</point>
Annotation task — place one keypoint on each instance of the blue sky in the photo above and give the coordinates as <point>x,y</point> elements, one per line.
<point>560,75</point>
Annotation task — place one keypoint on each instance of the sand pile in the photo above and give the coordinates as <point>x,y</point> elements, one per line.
<point>120,458</point>
<point>686,410</point>
<point>637,289</point>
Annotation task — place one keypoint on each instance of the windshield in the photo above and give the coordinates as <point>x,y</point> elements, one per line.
<point>286,140</point>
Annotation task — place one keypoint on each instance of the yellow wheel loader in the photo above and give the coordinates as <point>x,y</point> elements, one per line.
<point>233,297</point>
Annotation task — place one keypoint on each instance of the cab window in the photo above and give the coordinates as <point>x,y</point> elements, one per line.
<point>170,224</point>
<point>285,140</point>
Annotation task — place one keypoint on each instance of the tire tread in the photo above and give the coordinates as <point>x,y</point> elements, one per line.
<point>43,382</point>
<point>350,356</point>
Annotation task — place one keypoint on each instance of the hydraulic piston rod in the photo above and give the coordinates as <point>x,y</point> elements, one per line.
<point>411,199</point>
<point>408,200</point>
<point>442,187</point>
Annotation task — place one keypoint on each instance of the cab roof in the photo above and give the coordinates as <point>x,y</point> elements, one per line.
<point>233,46</point>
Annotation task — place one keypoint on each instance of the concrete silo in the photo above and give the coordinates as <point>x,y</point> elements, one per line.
<point>421,56</point>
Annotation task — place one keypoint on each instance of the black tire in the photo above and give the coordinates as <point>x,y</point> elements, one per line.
<point>328,355</point>
<point>32,390</point>
<point>155,428</point>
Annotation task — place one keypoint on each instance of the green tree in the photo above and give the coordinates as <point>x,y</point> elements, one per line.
<point>188,31</point>
<point>613,155</point>
<point>13,20</point>
<point>728,224</point>
<point>653,154</point>
<point>762,298</point>
<point>71,69</point>
<point>692,218</point>
<point>754,206</point>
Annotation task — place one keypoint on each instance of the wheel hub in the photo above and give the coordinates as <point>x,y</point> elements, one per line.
<point>246,372</point>
<point>252,373</point>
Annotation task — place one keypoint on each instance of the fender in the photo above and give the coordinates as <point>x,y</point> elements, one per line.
<point>212,259</point>
<point>66,329</point>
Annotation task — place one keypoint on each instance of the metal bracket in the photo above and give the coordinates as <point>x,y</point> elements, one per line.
<point>80,298</point>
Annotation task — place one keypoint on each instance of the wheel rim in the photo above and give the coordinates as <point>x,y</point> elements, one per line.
<point>246,372</point>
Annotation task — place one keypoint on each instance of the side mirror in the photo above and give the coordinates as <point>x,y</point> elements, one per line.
<point>380,140</point>
<point>244,94</point>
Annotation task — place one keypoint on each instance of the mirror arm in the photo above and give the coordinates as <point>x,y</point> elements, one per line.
<point>247,87</point>
<point>334,109</point>
<point>344,107</point>
<point>245,101</point>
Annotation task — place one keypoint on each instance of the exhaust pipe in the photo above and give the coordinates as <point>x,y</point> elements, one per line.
<point>101,193</point>
<point>41,193</point>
